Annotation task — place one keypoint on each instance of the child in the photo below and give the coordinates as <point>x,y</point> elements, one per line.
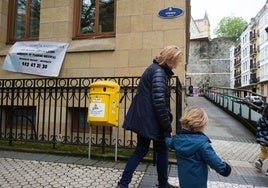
<point>194,152</point>
<point>262,138</point>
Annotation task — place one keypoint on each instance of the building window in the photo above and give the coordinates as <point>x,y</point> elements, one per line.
<point>79,119</point>
<point>94,19</point>
<point>19,116</point>
<point>23,20</point>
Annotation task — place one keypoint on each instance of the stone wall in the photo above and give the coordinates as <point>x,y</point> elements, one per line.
<point>209,63</point>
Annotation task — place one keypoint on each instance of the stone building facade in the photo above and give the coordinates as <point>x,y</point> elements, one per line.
<point>139,34</point>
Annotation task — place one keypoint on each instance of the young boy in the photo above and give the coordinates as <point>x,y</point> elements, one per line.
<point>194,152</point>
<point>262,138</point>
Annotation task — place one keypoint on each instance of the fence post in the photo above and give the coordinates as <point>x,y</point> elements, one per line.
<point>12,109</point>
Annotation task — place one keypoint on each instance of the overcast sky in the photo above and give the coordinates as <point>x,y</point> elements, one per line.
<point>217,9</point>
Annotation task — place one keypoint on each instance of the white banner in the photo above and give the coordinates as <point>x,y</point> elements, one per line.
<point>36,57</point>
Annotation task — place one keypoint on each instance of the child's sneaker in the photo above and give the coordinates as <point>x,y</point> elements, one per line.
<point>258,164</point>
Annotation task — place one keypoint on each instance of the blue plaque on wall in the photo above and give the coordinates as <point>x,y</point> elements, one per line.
<point>170,12</point>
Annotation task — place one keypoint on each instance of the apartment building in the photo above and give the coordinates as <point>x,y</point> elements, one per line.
<point>248,57</point>
<point>263,51</point>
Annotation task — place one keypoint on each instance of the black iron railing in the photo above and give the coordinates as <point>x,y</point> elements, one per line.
<point>54,110</point>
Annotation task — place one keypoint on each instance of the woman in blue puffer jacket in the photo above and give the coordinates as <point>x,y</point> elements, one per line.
<point>149,115</point>
<point>194,152</point>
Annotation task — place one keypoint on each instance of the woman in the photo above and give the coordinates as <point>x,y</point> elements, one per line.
<point>149,115</point>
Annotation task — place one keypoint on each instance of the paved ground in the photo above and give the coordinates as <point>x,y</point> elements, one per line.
<point>230,139</point>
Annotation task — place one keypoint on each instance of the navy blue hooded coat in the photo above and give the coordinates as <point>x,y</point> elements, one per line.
<point>149,114</point>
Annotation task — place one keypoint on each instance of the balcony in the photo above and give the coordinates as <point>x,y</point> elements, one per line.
<point>237,74</point>
<point>253,79</point>
<point>253,51</point>
<point>253,37</point>
<point>237,51</point>
<point>237,62</point>
<point>237,84</point>
<point>253,65</point>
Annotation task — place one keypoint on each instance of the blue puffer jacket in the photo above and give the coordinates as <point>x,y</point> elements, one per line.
<point>149,114</point>
<point>194,154</point>
<point>262,131</point>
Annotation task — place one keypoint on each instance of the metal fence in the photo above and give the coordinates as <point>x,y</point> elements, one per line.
<point>54,110</point>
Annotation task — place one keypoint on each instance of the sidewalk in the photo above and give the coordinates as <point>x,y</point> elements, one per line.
<point>230,139</point>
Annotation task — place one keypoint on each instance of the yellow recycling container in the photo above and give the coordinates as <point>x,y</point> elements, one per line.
<point>103,107</point>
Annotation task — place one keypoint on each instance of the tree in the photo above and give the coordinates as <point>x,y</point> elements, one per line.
<point>231,27</point>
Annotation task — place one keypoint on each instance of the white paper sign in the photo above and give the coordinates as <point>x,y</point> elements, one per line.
<point>36,57</point>
<point>97,109</point>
